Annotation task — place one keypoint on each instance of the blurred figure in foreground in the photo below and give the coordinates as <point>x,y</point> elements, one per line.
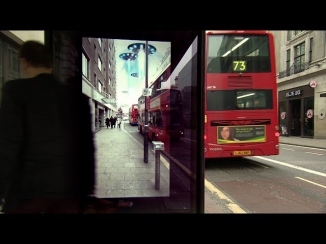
<point>46,141</point>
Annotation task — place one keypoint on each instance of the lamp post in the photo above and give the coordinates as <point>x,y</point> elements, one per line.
<point>146,106</point>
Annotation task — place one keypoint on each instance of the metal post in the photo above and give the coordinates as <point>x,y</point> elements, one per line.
<point>157,169</point>
<point>146,110</point>
<point>158,146</point>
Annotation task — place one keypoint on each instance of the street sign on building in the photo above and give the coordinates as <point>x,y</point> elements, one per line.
<point>147,92</point>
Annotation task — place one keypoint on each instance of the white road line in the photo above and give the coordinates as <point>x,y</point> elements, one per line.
<point>287,149</point>
<point>292,166</point>
<point>289,145</point>
<point>311,182</point>
<point>315,153</point>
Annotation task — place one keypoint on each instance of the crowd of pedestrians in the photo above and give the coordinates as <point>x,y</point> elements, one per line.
<point>113,121</point>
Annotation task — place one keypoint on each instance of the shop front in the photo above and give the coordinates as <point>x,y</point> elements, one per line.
<point>296,111</point>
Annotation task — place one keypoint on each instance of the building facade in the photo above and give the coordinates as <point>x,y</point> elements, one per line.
<point>10,42</point>
<point>301,79</point>
<point>99,78</point>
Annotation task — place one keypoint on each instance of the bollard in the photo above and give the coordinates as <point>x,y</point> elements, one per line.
<point>158,147</point>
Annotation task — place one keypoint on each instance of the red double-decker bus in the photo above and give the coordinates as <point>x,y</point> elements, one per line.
<point>165,116</point>
<point>241,107</point>
<point>133,114</point>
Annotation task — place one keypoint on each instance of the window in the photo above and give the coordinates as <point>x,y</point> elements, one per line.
<point>85,66</point>
<point>109,81</point>
<point>1,64</point>
<point>94,81</point>
<point>99,63</point>
<point>109,65</point>
<point>100,42</point>
<point>310,50</point>
<point>13,63</point>
<point>2,80</point>
<point>299,57</point>
<point>225,51</point>
<point>297,32</point>
<point>239,100</point>
<point>99,86</point>
<point>9,61</point>
<point>288,61</point>
<point>289,35</point>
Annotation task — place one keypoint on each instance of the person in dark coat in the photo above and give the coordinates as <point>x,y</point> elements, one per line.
<point>107,122</point>
<point>111,122</point>
<point>46,140</point>
<point>114,121</point>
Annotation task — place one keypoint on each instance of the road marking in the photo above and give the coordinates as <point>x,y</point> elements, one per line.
<point>311,182</point>
<point>261,165</point>
<point>287,149</point>
<point>315,153</point>
<point>166,163</point>
<point>292,166</point>
<point>231,205</point>
<point>320,149</point>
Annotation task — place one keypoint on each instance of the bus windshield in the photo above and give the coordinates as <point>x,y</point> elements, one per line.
<point>238,53</point>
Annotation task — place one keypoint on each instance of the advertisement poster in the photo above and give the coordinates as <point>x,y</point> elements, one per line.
<point>241,134</point>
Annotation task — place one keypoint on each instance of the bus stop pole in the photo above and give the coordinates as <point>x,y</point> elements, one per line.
<point>146,105</point>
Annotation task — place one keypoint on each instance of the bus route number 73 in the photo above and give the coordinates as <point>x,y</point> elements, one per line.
<point>239,66</point>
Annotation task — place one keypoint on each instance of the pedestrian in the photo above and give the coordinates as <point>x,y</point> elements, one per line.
<point>111,122</point>
<point>114,121</point>
<point>107,122</point>
<point>119,122</point>
<point>46,166</point>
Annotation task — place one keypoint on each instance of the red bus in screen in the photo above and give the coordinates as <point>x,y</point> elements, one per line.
<point>165,116</point>
<point>241,108</point>
<point>133,114</point>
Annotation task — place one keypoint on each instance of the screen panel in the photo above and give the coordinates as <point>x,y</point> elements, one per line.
<point>127,165</point>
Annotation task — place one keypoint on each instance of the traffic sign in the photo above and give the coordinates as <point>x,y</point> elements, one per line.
<point>147,92</point>
<point>310,113</point>
<point>313,83</point>
<point>283,115</point>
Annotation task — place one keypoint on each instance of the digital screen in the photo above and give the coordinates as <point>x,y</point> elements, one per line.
<point>157,169</point>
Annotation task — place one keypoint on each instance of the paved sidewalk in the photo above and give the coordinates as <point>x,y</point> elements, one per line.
<point>300,141</point>
<point>120,169</point>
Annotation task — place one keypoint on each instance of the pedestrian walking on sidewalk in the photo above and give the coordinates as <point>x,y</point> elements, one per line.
<point>119,122</point>
<point>111,122</point>
<point>107,122</point>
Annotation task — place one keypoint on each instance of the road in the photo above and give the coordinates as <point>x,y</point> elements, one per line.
<point>292,182</point>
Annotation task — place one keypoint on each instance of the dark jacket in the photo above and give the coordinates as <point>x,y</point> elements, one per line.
<point>43,152</point>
